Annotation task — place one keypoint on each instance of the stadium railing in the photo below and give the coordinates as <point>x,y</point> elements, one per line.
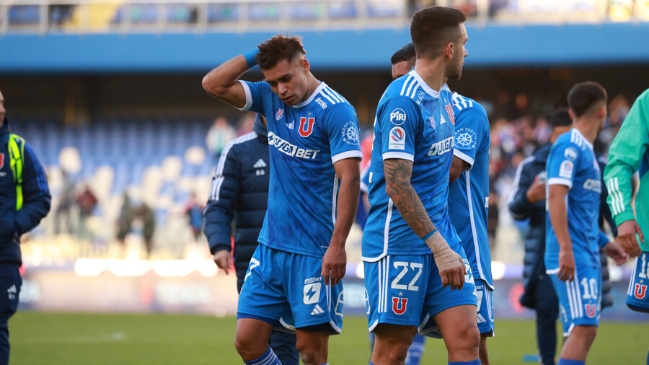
<point>123,16</point>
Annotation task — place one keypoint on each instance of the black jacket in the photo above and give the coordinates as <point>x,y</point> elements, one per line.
<point>521,209</point>
<point>36,198</point>
<point>239,192</point>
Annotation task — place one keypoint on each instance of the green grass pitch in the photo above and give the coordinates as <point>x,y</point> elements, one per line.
<point>84,339</point>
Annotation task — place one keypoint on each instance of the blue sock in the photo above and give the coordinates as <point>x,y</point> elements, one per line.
<point>416,350</point>
<point>474,362</point>
<point>268,358</point>
<point>570,362</point>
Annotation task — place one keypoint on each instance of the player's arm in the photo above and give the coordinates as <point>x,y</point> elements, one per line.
<point>624,160</point>
<point>559,218</point>
<point>334,262</point>
<point>398,173</point>
<point>458,166</point>
<point>219,211</point>
<point>36,193</point>
<point>528,188</point>
<point>223,81</point>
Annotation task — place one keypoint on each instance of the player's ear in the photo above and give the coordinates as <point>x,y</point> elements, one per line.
<point>448,51</point>
<point>305,65</point>
<point>571,113</point>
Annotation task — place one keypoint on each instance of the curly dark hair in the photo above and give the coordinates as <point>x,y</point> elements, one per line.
<point>277,49</point>
<point>433,28</point>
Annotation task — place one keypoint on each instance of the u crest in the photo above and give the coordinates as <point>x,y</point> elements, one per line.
<point>306,126</point>
<point>399,305</point>
<point>591,310</point>
<point>640,291</point>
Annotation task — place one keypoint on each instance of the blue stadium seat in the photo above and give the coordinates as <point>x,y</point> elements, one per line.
<point>345,10</point>
<point>223,12</point>
<point>264,11</point>
<point>24,14</point>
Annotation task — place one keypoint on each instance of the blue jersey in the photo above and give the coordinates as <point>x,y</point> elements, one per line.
<point>468,195</point>
<point>572,163</point>
<point>413,122</point>
<point>305,140</point>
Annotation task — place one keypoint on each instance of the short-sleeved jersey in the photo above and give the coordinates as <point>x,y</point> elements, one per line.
<point>572,163</point>
<point>305,140</point>
<point>413,122</point>
<point>469,194</point>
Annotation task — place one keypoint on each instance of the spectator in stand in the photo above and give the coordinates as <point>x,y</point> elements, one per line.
<point>87,201</point>
<point>194,212</point>
<point>219,135</point>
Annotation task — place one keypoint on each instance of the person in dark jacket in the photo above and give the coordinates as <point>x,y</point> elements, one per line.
<point>240,192</point>
<point>24,201</point>
<point>528,202</point>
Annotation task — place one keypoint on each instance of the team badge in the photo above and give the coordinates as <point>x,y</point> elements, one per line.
<point>397,116</point>
<point>397,139</point>
<point>451,113</point>
<point>640,291</point>
<point>466,138</point>
<point>350,133</point>
<point>399,305</point>
<point>591,310</point>
<point>279,114</point>
<point>306,126</point>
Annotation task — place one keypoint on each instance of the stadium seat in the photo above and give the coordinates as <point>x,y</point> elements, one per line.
<point>24,14</point>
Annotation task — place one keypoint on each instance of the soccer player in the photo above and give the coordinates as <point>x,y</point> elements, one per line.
<point>416,274</point>
<point>573,235</point>
<point>629,154</point>
<point>403,60</point>
<point>468,203</point>
<point>295,275</point>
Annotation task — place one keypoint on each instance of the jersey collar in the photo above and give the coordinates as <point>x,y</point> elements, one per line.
<point>423,84</point>
<point>310,99</point>
<point>587,142</point>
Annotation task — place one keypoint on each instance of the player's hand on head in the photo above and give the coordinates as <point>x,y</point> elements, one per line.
<point>334,264</point>
<point>566,266</point>
<point>223,260</point>
<point>626,236</point>
<point>616,252</point>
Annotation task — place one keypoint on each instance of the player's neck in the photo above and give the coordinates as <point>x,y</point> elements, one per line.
<point>313,85</point>
<point>587,128</point>
<point>432,72</point>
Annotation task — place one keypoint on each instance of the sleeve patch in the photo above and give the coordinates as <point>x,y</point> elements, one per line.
<point>397,116</point>
<point>397,139</point>
<point>570,153</point>
<point>465,138</point>
<point>566,169</point>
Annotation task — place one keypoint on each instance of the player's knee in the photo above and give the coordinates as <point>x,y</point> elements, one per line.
<point>311,354</point>
<point>247,349</point>
<point>398,352</point>
<point>467,338</point>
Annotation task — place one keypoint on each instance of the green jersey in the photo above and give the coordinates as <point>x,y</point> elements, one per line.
<point>629,153</point>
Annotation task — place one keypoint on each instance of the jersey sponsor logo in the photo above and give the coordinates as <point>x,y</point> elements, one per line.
<point>465,138</point>
<point>397,139</point>
<point>289,148</point>
<point>312,293</point>
<point>441,147</point>
<point>399,305</point>
<point>350,133</point>
<point>593,185</point>
<point>279,114</point>
<point>306,126</point>
<point>397,116</point>
<point>591,310</point>
<point>640,291</point>
<point>321,102</point>
<point>565,170</point>
<point>451,113</point>
<point>570,153</point>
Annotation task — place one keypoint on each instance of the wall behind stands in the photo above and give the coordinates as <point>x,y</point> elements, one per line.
<point>489,46</point>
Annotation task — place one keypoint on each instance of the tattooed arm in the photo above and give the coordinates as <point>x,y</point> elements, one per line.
<point>397,177</point>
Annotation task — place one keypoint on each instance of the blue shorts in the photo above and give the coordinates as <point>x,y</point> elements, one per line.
<point>580,300</point>
<point>407,290</point>
<point>485,308</point>
<point>286,288</point>
<point>636,297</point>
